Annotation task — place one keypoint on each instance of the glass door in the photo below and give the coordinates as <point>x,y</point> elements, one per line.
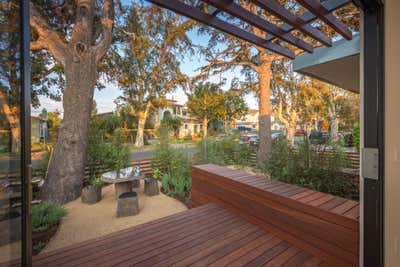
<point>14,148</point>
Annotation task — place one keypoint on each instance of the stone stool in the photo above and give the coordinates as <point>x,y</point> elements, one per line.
<point>128,204</point>
<point>151,187</point>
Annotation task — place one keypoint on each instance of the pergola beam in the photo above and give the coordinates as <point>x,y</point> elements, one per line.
<point>308,17</point>
<point>230,7</point>
<point>323,14</point>
<point>196,14</point>
<point>285,15</point>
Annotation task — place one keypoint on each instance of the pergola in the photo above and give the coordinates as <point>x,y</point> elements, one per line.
<point>316,10</point>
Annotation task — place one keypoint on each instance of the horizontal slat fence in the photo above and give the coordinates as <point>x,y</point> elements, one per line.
<point>10,182</point>
<point>353,159</point>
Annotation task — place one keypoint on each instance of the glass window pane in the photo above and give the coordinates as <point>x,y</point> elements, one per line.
<point>10,131</point>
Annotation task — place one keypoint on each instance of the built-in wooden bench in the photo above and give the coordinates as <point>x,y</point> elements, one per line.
<point>321,224</point>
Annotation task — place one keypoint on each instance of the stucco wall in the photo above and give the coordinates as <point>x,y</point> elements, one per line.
<point>392,135</point>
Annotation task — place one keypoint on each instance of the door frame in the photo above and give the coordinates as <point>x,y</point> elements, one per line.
<point>25,119</point>
<point>373,129</point>
<point>373,197</point>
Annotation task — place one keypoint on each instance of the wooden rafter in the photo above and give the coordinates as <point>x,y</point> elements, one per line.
<point>236,10</point>
<point>323,14</point>
<point>285,15</point>
<point>197,14</point>
<point>308,17</point>
<point>316,9</point>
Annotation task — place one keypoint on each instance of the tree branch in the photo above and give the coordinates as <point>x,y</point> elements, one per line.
<point>107,22</point>
<point>48,38</point>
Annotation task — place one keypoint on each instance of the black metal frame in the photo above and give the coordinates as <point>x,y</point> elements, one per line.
<point>25,118</point>
<point>374,88</point>
<point>373,131</point>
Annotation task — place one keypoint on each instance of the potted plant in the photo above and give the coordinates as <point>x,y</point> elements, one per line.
<point>45,221</point>
<point>91,193</point>
<point>157,174</point>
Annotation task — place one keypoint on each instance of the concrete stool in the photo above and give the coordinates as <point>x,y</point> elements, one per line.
<point>128,204</point>
<point>151,187</point>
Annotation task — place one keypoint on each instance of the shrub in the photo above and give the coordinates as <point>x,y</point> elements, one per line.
<point>156,173</point>
<point>46,215</point>
<point>223,151</point>
<point>313,167</point>
<point>96,181</point>
<point>356,135</point>
<point>173,165</point>
<point>113,155</point>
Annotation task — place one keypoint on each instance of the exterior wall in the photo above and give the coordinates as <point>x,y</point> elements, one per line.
<point>392,133</point>
<point>190,125</point>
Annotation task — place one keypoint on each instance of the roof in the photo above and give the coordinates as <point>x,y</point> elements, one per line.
<point>338,65</point>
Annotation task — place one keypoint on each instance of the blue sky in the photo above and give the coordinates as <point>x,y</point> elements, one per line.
<point>189,64</point>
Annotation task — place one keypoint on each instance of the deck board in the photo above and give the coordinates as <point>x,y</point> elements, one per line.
<point>321,224</point>
<point>206,236</point>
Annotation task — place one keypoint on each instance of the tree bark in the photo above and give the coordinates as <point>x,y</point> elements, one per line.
<point>67,166</point>
<point>13,120</point>
<point>334,127</point>
<point>142,117</point>
<point>79,55</point>
<point>264,119</point>
<point>205,127</point>
<point>290,133</point>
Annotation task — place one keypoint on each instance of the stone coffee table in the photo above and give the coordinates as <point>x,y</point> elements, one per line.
<point>123,181</point>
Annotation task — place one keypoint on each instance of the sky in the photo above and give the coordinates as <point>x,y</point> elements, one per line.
<point>189,64</point>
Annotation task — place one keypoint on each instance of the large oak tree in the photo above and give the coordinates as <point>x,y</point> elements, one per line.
<point>77,34</point>
<point>147,66</point>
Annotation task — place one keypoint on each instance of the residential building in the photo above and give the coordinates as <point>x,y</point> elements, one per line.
<point>190,126</point>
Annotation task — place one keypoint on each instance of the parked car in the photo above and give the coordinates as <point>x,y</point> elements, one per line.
<point>249,139</point>
<point>319,137</point>
<point>278,135</point>
<point>254,141</point>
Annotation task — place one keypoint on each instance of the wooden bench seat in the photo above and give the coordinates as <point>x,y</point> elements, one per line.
<point>319,223</point>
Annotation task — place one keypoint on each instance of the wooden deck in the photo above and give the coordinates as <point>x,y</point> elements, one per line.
<point>319,223</point>
<point>205,236</point>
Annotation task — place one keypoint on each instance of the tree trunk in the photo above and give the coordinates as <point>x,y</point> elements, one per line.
<point>290,134</point>
<point>264,119</point>
<point>142,117</point>
<point>205,127</point>
<point>13,120</point>
<point>334,127</point>
<point>67,166</point>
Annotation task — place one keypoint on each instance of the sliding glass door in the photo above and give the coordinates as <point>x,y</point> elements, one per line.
<point>14,126</point>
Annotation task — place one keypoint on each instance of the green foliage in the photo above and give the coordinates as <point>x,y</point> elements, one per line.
<point>54,120</point>
<point>205,101</point>
<point>356,135</point>
<point>146,57</point>
<point>38,246</point>
<point>96,181</point>
<point>112,155</point>
<point>172,123</point>
<point>232,107</point>
<point>103,127</point>
<point>312,167</point>
<point>174,166</point>
<point>223,151</point>
<point>46,215</point>
<point>156,173</point>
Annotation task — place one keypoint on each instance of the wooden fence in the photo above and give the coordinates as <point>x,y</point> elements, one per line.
<point>10,184</point>
<point>352,162</point>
